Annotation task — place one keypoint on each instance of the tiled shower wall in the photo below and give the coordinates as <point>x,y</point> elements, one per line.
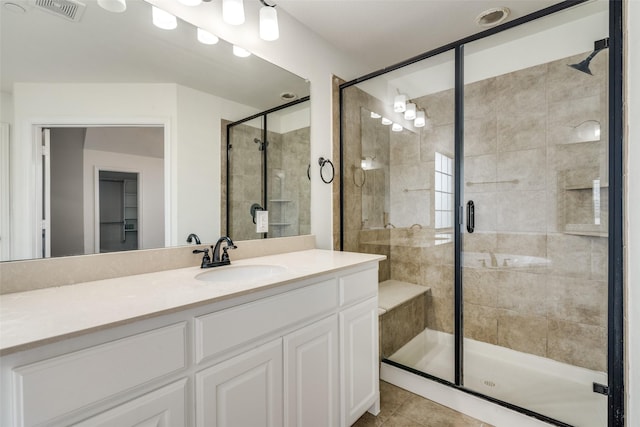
<point>287,158</point>
<point>529,170</point>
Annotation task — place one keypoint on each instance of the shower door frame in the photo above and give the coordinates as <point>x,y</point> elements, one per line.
<point>262,115</point>
<point>615,312</point>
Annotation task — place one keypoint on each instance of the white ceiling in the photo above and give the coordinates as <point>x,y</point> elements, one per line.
<point>383,33</point>
<point>112,47</point>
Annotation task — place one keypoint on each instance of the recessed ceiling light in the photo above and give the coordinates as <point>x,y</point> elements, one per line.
<point>288,96</point>
<point>492,17</point>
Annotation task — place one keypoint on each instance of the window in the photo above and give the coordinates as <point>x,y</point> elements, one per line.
<point>444,191</point>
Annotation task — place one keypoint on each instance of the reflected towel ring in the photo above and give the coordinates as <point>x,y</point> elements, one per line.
<point>323,162</point>
<point>364,176</point>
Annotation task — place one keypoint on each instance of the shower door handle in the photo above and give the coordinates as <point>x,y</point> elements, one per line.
<point>471,216</point>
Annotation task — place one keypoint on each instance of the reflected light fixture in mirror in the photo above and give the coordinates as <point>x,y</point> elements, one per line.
<point>205,37</point>
<point>233,12</point>
<point>190,2</point>
<point>386,121</point>
<point>396,127</point>
<point>117,6</point>
<point>163,19</point>
<point>420,119</point>
<point>240,52</point>
<point>400,103</point>
<point>410,112</point>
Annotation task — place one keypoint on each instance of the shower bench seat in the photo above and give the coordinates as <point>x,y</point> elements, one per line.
<point>402,313</point>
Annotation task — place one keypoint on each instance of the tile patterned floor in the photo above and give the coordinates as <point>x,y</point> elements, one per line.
<point>401,408</point>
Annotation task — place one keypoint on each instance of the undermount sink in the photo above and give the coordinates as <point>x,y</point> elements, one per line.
<point>241,273</point>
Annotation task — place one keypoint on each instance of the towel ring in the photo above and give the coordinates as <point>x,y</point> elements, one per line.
<point>323,162</point>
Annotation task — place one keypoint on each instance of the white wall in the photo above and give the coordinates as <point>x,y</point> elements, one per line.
<point>197,206</point>
<point>632,204</point>
<point>305,54</point>
<point>192,145</point>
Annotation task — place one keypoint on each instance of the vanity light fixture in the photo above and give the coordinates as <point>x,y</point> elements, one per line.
<point>375,115</point>
<point>410,112</point>
<point>190,2</point>
<point>163,19</point>
<point>242,53</point>
<point>420,119</point>
<point>113,5</point>
<point>233,12</point>
<point>269,30</point>
<point>400,103</point>
<point>386,121</point>
<point>396,127</point>
<point>205,37</point>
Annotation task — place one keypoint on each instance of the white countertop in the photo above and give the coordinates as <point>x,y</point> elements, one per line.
<point>41,316</point>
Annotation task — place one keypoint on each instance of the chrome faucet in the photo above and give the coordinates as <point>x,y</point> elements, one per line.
<point>494,260</point>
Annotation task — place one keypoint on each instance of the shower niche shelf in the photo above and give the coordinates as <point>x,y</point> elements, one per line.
<point>581,215</point>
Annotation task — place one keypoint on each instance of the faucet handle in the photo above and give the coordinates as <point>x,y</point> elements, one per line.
<point>225,254</point>
<point>206,259</point>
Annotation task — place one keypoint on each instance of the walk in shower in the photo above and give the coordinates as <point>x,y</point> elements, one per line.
<point>267,157</point>
<point>501,135</point>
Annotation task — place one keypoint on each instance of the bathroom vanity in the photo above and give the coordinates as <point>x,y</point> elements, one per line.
<point>291,341</point>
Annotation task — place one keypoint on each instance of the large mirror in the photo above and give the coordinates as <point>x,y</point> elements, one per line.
<point>112,128</point>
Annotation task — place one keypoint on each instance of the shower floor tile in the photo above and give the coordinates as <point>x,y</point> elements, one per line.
<point>400,408</point>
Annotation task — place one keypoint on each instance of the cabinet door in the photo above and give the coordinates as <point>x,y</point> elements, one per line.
<point>164,407</point>
<point>243,391</point>
<point>359,359</point>
<point>311,385</point>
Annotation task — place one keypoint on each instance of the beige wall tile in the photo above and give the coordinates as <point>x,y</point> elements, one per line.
<point>522,333</point>
<point>522,293</point>
<point>481,323</point>
<point>577,300</point>
<point>576,344</point>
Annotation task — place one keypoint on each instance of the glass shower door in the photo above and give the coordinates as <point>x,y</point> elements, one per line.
<point>245,169</point>
<point>535,200</point>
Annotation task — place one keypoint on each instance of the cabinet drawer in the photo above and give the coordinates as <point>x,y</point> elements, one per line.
<point>218,332</point>
<point>358,286</point>
<point>54,387</point>
<point>164,407</point>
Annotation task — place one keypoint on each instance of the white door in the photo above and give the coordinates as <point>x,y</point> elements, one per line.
<point>311,387</point>
<point>45,221</point>
<point>359,359</point>
<point>243,391</point>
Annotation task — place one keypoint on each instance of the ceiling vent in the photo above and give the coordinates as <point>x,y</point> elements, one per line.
<point>70,10</point>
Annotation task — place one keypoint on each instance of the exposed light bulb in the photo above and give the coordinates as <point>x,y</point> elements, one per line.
<point>269,24</point>
<point>420,119</point>
<point>233,12</point>
<point>190,2</point>
<point>386,121</point>
<point>400,103</point>
<point>410,112</point>
<point>396,127</point>
<point>163,19</point>
<point>205,37</point>
<point>375,115</point>
<point>113,5</point>
<point>242,53</point>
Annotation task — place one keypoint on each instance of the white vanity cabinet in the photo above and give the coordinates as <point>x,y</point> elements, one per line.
<point>303,353</point>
